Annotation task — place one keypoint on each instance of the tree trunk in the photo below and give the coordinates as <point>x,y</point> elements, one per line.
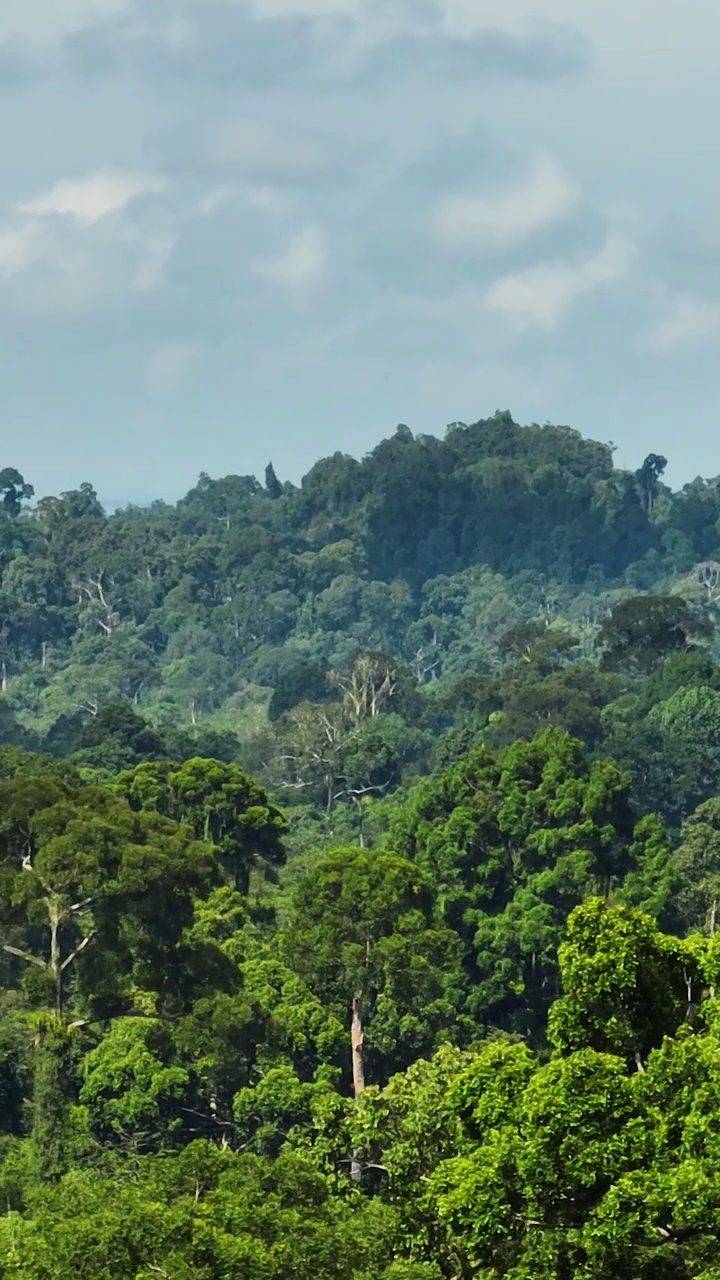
<point>50,1100</point>
<point>358,1071</point>
<point>357,801</point>
<point>356,1042</point>
<point>56,968</point>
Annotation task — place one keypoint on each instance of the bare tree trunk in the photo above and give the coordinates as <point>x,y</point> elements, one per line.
<point>356,1040</point>
<point>357,801</point>
<point>56,968</point>
<point>358,1070</point>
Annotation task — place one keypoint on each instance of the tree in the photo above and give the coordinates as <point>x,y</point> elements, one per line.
<point>273,487</point>
<point>536,644</point>
<point>572,698</point>
<point>117,738</point>
<point>299,679</point>
<point>133,1091</point>
<point>14,491</point>
<point>363,934</point>
<point>626,984</point>
<point>220,804</point>
<point>306,751</point>
<point>648,477</point>
<point>644,630</point>
<point>92,896</point>
<point>511,843</point>
<point>369,687</point>
<point>696,867</point>
<point>687,728</point>
<point>201,1214</point>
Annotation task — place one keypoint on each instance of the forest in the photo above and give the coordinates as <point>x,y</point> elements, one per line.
<point>360,871</point>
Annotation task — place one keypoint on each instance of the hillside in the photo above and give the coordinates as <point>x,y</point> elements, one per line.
<point>360,872</point>
<point>215,618</point>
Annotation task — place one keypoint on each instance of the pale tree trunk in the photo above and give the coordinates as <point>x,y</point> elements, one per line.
<point>357,801</point>
<point>55,965</point>
<point>56,968</point>
<point>358,1070</point>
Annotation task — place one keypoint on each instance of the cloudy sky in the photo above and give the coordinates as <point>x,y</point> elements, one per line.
<point>235,230</point>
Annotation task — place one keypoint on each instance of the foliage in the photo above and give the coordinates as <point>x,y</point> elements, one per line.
<point>360,871</point>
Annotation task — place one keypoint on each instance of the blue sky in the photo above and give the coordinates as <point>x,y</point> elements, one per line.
<point>235,230</point>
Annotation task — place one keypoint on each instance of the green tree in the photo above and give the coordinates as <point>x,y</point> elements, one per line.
<point>696,867</point>
<point>219,803</point>
<point>273,487</point>
<point>511,843</point>
<point>14,490</point>
<point>362,932</point>
<point>626,984</point>
<point>644,630</point>
<point>648,476</point>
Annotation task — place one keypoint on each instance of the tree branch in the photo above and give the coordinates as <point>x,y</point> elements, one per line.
<point>24,955</point>
<point>74,954</point>
<point>86,902</point>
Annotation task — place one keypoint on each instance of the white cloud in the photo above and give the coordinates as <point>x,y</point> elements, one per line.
<point>61,267</point>
<point>266,200</point>
<point>308,8</point>
<point>62,255</point>
<point>169,365</point>
<point>215,199</point>
<point>542,296</point>
<point>500,219</point>
<point>261,152</point>
<point>303,264</point>
<point>18,249</point>
<point>94,197</point>
<point>690,322</point>
<point>44,22</point>
<point>263,199</point>
<point>155,252</point>
<point>613,18</point>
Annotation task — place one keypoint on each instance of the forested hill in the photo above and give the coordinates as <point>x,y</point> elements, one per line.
<point>215,619</point>
<point>360,872</point>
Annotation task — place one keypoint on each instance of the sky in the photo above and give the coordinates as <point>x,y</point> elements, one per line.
<point>241,230</point>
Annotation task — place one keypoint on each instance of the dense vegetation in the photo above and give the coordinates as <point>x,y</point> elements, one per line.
<point>360,872</point>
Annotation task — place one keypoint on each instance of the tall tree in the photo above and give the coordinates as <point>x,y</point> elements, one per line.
<point>644,630</point>
<point>219,803</point>
<point>511,843</point>
<point>362,932</point>
<point>14,490</point>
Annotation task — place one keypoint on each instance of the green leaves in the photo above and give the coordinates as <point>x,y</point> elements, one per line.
<point>204,1214</point>
<point>365,921</point>
<point>512,843</point>
<point>644,630</point>
<point>130,1088</point>
<point>220,805</point>
<point>626,984</point>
